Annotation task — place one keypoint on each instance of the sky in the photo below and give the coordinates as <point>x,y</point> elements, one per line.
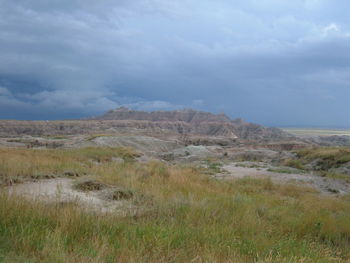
<point>273,62</point>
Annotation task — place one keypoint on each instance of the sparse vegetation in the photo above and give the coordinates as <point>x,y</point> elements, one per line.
<point>297,164</point>
<point>285,170</point>
<point>190,217</point>
<point>89,185</point>
<point>94,136</point>
<point>281,170</point>
<point>121,194</point>
<point>58,137</point>
<point>325,161</point>
<point>251,165</point>
<point>334,175</point>
<point>213,166</point>
<point>326,157</point>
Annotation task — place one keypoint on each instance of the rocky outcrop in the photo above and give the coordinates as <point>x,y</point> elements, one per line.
<point>334,140</point>
<point>183,123</point>
<point>251,131</point>
<point>45,128</point>
<point>187,115</point>
<point>200,123</point>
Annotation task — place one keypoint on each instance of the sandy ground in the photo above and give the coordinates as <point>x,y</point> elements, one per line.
<point>323,185</point>
<point>61,190</point>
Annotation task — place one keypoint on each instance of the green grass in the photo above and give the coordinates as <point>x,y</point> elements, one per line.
<point>187,217</point>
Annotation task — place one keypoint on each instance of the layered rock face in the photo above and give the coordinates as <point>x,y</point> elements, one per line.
<point>184,122</point>
<point>187,115</point>
<point>198,122</point>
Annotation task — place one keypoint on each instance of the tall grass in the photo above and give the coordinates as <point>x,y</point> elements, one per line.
<point>21,164</point>
<point>186,217</point>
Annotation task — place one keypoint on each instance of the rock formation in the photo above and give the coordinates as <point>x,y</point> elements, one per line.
<point>181,122</point>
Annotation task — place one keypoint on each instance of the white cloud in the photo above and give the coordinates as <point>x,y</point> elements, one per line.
<point>198,103</point>
<point>331,28</point>
<point>152,105</point>
<point>4,92</point>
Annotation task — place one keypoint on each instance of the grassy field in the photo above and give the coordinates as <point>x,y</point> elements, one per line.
<point>316,132</point>
<point>187,216</point>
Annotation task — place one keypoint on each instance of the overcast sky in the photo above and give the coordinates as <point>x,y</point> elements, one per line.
<point>274,62</point>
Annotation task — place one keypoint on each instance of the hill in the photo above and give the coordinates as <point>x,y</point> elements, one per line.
<point>198,122</point>
<point>124,120</point>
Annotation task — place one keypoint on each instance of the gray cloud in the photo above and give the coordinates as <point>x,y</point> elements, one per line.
<point>269,61</point>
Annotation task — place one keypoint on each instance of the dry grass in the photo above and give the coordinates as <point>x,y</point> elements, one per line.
<point>22,164</point>
<point>329,157</point>
<point>324,151</point>
<point>190,217</point>
<point>297,164</point>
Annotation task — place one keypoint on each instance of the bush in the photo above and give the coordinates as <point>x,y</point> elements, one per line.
<point>295,164</point>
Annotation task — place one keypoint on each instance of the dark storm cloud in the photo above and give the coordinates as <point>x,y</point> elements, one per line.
<point>270,61</point>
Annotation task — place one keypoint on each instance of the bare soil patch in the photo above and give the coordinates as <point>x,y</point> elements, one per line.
<point>323,185</point>
<point>96,197</point>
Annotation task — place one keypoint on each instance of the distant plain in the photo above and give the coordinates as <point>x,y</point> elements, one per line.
<point>317,131</point>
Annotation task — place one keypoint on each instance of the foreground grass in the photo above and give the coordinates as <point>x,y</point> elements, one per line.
<point>21,164</point>
<point>186,216</point>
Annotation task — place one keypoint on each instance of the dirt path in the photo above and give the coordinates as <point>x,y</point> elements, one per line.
<point>324,185</point>
<point>61,190</point>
